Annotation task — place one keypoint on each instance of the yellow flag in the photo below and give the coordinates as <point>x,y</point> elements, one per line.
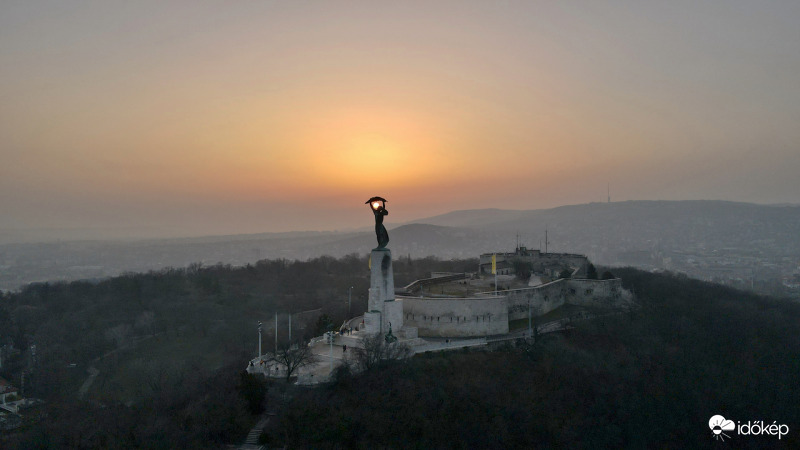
<point>369,262</point>
<point>494,263</point>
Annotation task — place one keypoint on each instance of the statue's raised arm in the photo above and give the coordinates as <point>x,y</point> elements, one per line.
<point>378,207</point>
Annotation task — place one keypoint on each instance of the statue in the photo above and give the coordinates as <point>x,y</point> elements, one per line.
<point>389,336</point>
<point>377,204</point>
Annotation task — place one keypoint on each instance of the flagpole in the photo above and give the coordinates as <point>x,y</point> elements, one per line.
<point>494,271</point>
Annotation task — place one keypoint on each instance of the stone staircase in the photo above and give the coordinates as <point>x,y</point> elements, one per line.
<point>251,442</point>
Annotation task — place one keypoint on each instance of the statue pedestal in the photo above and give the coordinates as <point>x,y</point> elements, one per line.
<point>383,309</point>
<point>372,322</point>
<point>393,313</point>
<point>381,285</point>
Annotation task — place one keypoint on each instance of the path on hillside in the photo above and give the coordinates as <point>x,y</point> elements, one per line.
<point>93,372</point>
<point>251,441</point>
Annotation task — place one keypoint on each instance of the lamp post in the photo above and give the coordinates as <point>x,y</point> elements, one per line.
<point>529,318</point>
<point>349,300</point>
<point>329,334</point>
<point>259,340</point>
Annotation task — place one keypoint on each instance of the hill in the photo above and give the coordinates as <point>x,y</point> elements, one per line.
<point>743,245</point>
<point>649,378</point>
<point>169,347</point>
<point>166,347</point>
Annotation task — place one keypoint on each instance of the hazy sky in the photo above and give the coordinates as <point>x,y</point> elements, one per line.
<point>236,117</point>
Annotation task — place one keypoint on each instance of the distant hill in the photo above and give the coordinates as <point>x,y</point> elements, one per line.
<point>600,214</point>
<point>738,242</point>
<point>603,230</point>
<point>475,218</point>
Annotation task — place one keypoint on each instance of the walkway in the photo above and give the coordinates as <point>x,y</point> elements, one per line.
<point>93,372</point>
<point>251,442</point>
<point>320,371</point>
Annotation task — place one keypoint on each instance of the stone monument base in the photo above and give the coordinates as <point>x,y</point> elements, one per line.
<point>392,314</point>
<point>372,322</point>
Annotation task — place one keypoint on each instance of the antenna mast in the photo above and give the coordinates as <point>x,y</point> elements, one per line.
<point>545,240</point>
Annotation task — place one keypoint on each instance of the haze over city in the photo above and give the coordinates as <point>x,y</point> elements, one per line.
<point>146,119</point>
<point>591,242</point>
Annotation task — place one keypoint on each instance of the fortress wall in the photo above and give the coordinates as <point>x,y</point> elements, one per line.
<point>454,317</point>
<point>606,293</point>
<point>543,299</point>
<point>550,259</point>
<point>540,262</point>
<point>581,292</point>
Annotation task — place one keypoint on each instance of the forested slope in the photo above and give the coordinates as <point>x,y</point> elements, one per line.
<point>651,378</point>
<point>168,345</point>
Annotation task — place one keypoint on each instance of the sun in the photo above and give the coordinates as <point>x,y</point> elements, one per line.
<point>372,151</point>
<point>371,148</point>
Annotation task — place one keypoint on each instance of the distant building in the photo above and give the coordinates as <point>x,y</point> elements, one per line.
<point>550,264</point>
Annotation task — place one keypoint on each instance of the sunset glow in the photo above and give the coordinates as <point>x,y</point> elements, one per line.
<point>220,118</point>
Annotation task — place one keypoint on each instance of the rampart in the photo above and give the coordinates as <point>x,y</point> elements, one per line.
<point>547,297</point>
<point>542,299</point>
<point>438,279</point>
<point>603,293</point>
<point>452,317</point>
<point>486,314</point>
<point>546,263</point>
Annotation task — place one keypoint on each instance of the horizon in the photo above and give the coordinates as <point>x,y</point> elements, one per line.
<point>187,120</point>
<point>88,234</point>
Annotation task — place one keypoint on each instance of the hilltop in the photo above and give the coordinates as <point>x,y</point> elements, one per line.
<point>648,378</point>
<point>169,347</point>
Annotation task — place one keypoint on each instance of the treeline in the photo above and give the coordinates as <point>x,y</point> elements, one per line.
<point>78,321</point>
<point>651,377</point>
<point>168,345</point>
<point>206,410</point>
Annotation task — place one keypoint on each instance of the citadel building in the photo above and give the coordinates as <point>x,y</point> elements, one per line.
<point>470,305</point>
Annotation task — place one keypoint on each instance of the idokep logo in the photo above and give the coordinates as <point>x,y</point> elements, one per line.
<point>719,425</point>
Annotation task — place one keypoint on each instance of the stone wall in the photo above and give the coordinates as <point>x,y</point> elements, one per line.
<point>453,317</point>
<point>603,293</point>
<point>543,299</point>
<point>546,263</point>
<point>582,292</point>
<point>487,315</point>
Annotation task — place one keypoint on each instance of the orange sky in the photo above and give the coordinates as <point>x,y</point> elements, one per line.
<point>198,118</point>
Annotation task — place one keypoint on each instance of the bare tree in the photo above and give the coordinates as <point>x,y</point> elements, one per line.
<point>376,350</point>
<point>294,356</point>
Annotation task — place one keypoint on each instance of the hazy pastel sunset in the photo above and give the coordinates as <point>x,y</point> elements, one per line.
<point>399,224</point>
<point>191,118</point>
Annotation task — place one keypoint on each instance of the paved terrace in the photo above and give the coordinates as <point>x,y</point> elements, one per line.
<point>329,357</point>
